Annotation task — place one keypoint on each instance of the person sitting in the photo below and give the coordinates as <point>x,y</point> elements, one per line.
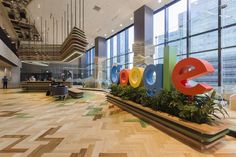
<point>32,78</point>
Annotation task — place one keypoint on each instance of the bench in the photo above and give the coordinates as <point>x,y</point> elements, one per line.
<point>75,93</point>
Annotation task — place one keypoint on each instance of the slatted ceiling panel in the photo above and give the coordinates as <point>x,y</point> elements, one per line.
<point>74,45</point>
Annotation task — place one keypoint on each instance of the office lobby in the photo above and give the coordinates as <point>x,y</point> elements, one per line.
<point>117,78</point>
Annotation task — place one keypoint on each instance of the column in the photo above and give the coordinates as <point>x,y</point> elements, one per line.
<point>143,36</point>
<point>100,56</point>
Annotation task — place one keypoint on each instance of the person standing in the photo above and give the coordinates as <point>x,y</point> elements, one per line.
<point>5,82</point>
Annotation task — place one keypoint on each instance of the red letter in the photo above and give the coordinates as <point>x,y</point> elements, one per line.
<point>182,73</point>
<point>124,77</point>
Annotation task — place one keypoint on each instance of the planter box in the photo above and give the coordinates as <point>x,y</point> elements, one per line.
<point>201,136</point>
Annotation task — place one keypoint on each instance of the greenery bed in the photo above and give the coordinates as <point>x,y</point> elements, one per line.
<point>199,109</point>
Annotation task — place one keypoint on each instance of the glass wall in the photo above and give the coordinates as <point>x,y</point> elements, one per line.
<point>202,29</point>
<point>119,50</point>
<point>90,56</point>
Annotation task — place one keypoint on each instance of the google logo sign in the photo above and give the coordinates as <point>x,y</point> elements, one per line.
<point>166,76</point>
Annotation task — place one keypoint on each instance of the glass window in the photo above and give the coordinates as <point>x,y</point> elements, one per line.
<point>203,16</point>
<point>229,66</point>
<point>211,57</point>
<point>159,52</point>
<point>229,36</point>
<point>121,48</point>
<point>131,38</point>
<point>177,20</point>
<point>228,12</point>
<point>131,60</point>
<point>114,49</point>
<point>159,27</point>
<point>181,57</point>
<point>108,52</point>
<point>180,45</point>
<point>122,42</point>
<point>159,61</point>
<point>204,42</point>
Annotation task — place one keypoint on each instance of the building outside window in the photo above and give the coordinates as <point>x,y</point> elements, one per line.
<point>119,50</point>
<point>90,56</point>
<point>206,34</point>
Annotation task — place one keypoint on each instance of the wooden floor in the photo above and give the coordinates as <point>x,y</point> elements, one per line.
<point>33,125</point>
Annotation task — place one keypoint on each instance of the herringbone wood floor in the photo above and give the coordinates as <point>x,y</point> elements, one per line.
<point>33,125</point>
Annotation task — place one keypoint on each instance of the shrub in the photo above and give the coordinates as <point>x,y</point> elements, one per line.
<point>199,109</point>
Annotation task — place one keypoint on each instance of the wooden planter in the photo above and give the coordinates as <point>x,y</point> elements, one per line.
<point>201,136</point>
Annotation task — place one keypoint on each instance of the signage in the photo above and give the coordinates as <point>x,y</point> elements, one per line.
<point>166,76</point>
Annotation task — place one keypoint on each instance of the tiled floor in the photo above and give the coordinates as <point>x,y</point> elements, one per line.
<point>34,125</point>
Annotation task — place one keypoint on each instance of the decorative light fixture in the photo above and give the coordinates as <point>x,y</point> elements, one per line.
<point>121,25</point>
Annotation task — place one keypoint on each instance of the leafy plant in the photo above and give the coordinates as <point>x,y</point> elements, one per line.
<point>199,109</point>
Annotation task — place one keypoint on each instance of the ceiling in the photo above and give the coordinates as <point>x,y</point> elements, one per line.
<point>113,16</point>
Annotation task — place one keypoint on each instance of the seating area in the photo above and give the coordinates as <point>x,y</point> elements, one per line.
<point>40,85</point>
<point>75,93</point>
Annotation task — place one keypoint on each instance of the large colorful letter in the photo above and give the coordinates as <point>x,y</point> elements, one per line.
<point>124,77</point>
<point>169,63</point>
<point>115,74</point>
<point>135,77</point>
<point>149,82</point>
<point>182,73</point>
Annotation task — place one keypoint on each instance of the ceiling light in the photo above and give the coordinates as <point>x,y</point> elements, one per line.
<point>105,35</point>
<point>112,30</point>
<point>39,6</point>
<point>131,18</point>
<point>159,1</point>
<point>121,25</point>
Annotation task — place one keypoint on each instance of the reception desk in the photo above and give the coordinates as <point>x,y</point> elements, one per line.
<point>40,85</point>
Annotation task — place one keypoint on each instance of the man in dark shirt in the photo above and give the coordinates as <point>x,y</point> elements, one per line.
<point>4,82</point>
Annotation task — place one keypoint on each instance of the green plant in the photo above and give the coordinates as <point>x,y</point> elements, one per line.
<point>202,109</point>
<point>199,109</point>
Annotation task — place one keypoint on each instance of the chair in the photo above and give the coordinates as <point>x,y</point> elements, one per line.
<point>60,91</point>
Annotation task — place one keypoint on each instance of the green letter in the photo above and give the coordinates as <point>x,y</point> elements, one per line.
<point>169,64</point>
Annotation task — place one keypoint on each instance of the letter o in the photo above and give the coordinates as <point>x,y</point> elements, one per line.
<point>136,77</point>
<point>124,77</point>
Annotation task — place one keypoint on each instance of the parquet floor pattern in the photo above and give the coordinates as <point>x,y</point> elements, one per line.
<point>33,125</point>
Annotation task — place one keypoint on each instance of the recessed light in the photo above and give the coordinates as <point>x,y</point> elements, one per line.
<point>39,6</point>
<point>159,1</point>
<point>112,30</point>
<point>131,18</point>
<point>121,25</point>
<point>105,35</point>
